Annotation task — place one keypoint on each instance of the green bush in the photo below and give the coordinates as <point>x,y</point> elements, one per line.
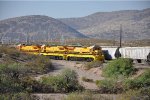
<point>33,86</point>
<point>28,57</point>
<point>93,64</point>
<point>12,52</point>
<point>14,78</point>
<point>40,64</point>
<point>87,96</point>
<point>65,82</point>
<point>119,67</point>
<point>118,86</point>
<point>139,82</point>
<point>109,86</point>
<point>140,94</point>
<point>16,96</point>
<point>9,85</point>
<point>34,63</point>
<point>14,70</point>
<point>10,76</point>
<point>145,92</point>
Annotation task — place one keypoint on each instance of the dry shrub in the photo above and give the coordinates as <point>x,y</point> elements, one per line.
<point>93,64</point>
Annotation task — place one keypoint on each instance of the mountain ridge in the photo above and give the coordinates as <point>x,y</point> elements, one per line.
<point>106,25</point>
<point>101,25</point>
<point>38,27</point>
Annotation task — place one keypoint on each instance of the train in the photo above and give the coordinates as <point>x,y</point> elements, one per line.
<point>90,53</point>
<point>68,52</point>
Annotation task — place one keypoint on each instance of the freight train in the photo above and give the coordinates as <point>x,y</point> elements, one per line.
<point>91,53</point>
<point>73,53</point>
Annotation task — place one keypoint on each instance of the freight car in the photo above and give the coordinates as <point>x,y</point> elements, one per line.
<point>138,54</point>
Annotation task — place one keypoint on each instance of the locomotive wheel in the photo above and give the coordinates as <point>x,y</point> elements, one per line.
<point>56,58</point>
<point>60,58</point>
<point>68,58</point>
<point>76,59</point>
<point>89,59</point>
<point>51,57</point>
<point>72,58</point>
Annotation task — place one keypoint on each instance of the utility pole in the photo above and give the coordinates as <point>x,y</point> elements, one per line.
<point>120,36</point>
<point>27,38</point>
<point>48,37</point>
<point>62,39</point>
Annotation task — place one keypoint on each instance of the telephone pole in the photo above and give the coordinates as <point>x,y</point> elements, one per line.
<point>120,42</point>
<point>62,40</point>
<point>27,38</point>
<point>47,37</point>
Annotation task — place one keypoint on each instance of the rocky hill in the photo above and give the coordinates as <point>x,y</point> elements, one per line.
<point>106,25</point>
<point>36,27</point>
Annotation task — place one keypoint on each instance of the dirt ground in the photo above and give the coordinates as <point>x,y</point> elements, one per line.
<point>94,73</point>
<point>78,67</point>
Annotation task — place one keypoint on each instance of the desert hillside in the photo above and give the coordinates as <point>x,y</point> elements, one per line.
<point>106,25</point>
<point>37,27</point>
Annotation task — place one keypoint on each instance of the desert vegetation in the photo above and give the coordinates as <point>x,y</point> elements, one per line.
<point>87,95</point>
<point>118,79</point>
<point>17,81</point>
<point>17,71</point>
<point>93,64</point>
<point>119,67</point>
<point>65,82</point>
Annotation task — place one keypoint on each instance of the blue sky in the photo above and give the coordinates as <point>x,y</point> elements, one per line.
<point>66,9</point>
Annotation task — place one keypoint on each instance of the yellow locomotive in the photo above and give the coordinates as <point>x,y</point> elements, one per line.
<point>54,52</point>
<point>32,49</point>
<point>91,53</point>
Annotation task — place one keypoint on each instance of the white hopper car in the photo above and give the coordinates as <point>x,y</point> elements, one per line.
<point>139,54</point>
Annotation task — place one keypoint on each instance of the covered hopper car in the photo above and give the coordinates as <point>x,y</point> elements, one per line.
<point>139,54</point>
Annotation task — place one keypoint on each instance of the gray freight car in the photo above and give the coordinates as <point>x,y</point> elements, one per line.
<point>139,54</point>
